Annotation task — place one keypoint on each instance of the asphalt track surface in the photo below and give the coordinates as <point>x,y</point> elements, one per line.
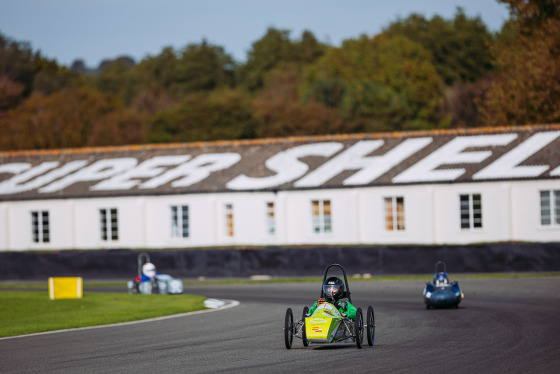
<point>502,326</point>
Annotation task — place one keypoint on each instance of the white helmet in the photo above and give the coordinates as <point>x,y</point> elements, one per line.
<point>149,269</point>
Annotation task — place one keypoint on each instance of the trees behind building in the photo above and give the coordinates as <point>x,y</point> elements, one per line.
<point>416,74</point>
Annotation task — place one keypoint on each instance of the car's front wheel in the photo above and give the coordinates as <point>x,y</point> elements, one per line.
<point>303,332</point>
<point>370,326</point>
<point>289,328</point>
<point>359,328</point>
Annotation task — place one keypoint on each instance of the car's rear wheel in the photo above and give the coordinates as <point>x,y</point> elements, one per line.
<point>303,332</point>
<point>359,328</point>
<point>370,326</point>
<point>289,328</point>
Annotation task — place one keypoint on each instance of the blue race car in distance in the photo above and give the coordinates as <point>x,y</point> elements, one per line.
<point>442,293</point>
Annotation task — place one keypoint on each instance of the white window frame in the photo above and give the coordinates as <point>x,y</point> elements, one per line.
<point>549,208</point>
<point>471,221</point>
<point>40,227</point>
<point>229,220</point>
<point>393,217</point>
<point>109,227</point>
<point>180,225</point>
<point>270,218</point>
<point>321,216</point>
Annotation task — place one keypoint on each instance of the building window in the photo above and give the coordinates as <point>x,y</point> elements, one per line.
<point>321,216</point>
<point>40,230</point>
<point>394,213</point>
<point>270,218</point>
<point>180,221</point>
<point>229,220</point>
<point>550,208</point>
<point>109,224</point>
<point>471,211</point>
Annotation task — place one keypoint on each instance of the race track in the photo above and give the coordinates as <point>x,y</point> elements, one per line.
<point>502,326</point>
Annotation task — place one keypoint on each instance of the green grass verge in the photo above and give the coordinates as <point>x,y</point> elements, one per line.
<point>375,278</point>
<point>32,311</point>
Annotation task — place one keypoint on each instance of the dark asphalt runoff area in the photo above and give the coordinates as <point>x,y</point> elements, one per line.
<point>502,326</point>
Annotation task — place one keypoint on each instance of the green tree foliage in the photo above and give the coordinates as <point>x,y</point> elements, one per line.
<point>308,48</point>
<point>380,83</point>
<point>119,77</point>
<point>197,68</point>
<point>200,117</point>
<point>417,74</point>
<point>290,118</point>
<point>266,53</point>
<point>17,70</point>
<point>277,49</point>
<point>23,72</point>
<point>328,91</point>
<point>459,47</point>
<point>527,88</point>
<point>51,77</point>
<point>158,72</point>
<point>203,67</point>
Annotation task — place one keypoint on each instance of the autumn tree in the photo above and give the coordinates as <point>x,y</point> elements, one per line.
<point>17,71</point>
<point>460,102</point>
<point>527,88</point>
<point>63,119</point>
<point>280,112</point>
<point>121,126</point>
<point>10,92</point>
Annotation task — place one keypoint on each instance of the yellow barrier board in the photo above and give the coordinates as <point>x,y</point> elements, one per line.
<point>65,288</point>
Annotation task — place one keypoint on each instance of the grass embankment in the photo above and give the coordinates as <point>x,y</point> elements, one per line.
<point>32,311</point>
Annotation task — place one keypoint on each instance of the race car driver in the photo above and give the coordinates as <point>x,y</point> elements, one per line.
<point>333,289</point>
<point>441,279</point>
<point>148,272</point>
<point>149,276</point>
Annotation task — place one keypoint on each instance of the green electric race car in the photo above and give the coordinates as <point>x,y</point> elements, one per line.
<point>329,322</point>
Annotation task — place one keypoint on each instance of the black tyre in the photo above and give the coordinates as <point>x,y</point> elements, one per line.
<point>359,328</point>
<point>370,326</point>
<point>303,333</point>
<point>289,328</point>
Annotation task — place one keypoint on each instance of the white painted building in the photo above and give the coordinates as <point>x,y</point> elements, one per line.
<point>434,187</point>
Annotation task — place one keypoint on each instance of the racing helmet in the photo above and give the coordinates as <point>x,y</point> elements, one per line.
<point>333,288</point>
<point>149,270</point>
<point>441,278</point>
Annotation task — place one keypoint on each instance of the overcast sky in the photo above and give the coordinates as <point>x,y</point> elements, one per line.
<point>93,30</point>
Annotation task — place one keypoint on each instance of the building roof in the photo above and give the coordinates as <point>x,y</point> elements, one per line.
<point>311,162</point>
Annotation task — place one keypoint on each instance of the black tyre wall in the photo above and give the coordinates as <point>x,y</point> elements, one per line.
<point>288,261</point>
